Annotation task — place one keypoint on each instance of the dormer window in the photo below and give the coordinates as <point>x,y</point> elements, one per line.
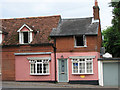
<point>80,41</point>
<point>25,34</point>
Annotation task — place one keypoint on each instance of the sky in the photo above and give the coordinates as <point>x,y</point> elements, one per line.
<point>65,8</point>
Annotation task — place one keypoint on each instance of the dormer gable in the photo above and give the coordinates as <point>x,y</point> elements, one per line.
<point>25,26</point>
<point>25,34</point>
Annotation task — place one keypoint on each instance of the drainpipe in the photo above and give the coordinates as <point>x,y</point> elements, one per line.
<point>54,46</point>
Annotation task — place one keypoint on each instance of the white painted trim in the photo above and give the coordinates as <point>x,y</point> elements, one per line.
<point>110,61</point>
<point>30,37</point>
<point>40,74</point>
<point>0,32</point>
<point>0,38</point>
<point>94,21</point>
<point>39,58</point>
<point>82,73</point>
<point>85,66</point>
<point>58,69</point>
<point>81,57</point>
<point>21,37</point>
<point>24,25</point>
<point>42,68</point>
<point>36,53</point>
<point>100,72</point>
<point>68,69</point>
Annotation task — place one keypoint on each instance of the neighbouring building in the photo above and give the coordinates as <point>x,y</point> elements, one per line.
<point>51,48</point>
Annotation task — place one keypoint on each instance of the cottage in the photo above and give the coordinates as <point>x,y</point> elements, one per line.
<point>52,49</point>
<point>28,36</point>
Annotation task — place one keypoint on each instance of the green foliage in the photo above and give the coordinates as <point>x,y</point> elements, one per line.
<point>112,34</point>
<point>112,41</point>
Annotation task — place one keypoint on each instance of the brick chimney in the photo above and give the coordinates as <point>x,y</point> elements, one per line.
<point>96,11</point>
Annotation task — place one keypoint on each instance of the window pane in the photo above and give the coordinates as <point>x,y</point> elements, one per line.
<point>75,67</point>
<point>62,66</point>
<point>32,68</point>
<point>89,67</point>
<point>79,40</point>
<point>81,67</point>
<point>25,35</point>
<point>44,68</point>
<point>39,68</point>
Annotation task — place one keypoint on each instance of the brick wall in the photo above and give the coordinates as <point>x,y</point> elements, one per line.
<point>66,44</point>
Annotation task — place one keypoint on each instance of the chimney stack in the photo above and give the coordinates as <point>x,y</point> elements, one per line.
<point>96,11</point>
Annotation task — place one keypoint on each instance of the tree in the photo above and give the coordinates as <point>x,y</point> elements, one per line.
<point>112,34</point>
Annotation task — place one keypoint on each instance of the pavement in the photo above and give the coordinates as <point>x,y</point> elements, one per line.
<point>13,84</point>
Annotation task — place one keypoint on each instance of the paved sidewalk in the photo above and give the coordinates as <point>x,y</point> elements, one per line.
<point>13,84</point>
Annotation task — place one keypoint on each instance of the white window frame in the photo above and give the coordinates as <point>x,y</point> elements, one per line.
<point>34,61</point>
<point>77,60</point>
<point>21,37</point>
<point>84,41</point>
<point>0,37</point>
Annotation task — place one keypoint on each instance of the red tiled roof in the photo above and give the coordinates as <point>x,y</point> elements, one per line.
<point>43,25</point>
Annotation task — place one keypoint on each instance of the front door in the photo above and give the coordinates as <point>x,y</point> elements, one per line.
<point>62,70</point>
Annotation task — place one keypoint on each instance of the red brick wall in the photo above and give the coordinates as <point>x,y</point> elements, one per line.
<point>8,58</point>
<point>66,44</point>
<point>99,38</point>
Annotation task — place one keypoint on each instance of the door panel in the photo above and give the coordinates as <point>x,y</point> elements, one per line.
<point>62,70</point>
<point>110,74</point>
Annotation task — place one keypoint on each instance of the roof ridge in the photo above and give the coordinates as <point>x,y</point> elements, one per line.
<point>31,17</point>
<point>76,18</point>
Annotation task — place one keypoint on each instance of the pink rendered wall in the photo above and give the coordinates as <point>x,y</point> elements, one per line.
<point>77,77</point>
<point>22,69</point>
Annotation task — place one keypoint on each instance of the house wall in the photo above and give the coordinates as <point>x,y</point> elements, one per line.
<point>8,58</point>
<point>66,44</point>
<point>23,73</point>
<point>22,68</point>
<point>72,77</point>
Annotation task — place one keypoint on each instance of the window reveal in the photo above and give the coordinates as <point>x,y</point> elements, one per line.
<point>80,40</point>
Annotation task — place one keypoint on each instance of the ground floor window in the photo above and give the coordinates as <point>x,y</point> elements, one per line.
<point>82,66</point>
<point>39,67</point>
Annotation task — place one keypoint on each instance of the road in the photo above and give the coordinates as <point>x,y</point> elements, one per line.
<point>12,85</point>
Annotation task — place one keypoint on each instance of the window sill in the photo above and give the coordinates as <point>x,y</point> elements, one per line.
<point>40,74</point>
<point>24,43</point>
<point>80,46</point>
<point>82,73</point>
